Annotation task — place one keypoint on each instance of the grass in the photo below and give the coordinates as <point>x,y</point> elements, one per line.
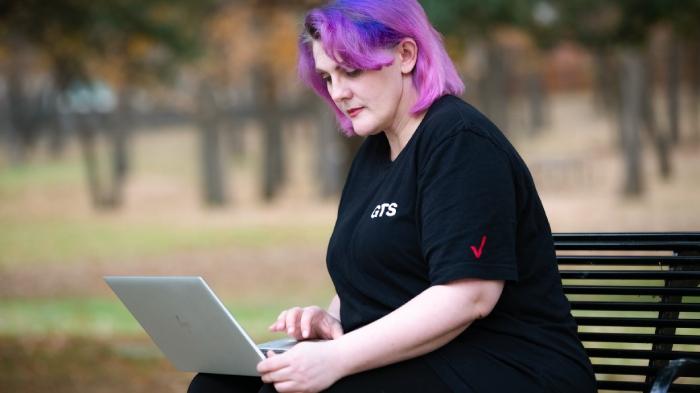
<point>43,217</point>
<point>61,240</point>
<point>40,174</point>
<point>102,317</point>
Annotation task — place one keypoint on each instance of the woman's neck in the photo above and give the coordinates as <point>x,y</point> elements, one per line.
<point>405,124</point>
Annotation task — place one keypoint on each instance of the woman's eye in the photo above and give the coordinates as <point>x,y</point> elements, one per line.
<point>353,73</point>
<point>326,79</point>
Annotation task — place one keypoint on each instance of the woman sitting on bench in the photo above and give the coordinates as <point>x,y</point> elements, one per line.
<point>441,256</point>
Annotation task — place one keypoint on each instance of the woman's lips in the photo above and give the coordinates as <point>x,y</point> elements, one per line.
<point>354,111</point>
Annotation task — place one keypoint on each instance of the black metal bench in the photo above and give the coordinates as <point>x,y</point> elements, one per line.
<point>636,299</point>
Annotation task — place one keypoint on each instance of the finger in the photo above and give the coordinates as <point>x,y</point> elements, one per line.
<point>336,330</point>
<point>279,323</point>
<point>306,318</point>
<point>277,376</point>
<point>270,353</point>
<point>271,364</point>
<point>286,387</point>
<point>292,320</point>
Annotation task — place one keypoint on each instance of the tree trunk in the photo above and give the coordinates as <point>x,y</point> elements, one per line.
<point>235,137</point>
<point>494,95</point>
<point>119,128</point>
<point>61,121</point>
<point>267,106</point>
<point>330,154</point>
<point>57,126</point>
<point>213,184</point>
<point>15,148</point>
<point>23,125</point>
<point>659,139</point>
<point>536,94</point>
<point>605,97</point>
<point>673,71</point>
<point>631,86</point>
<point>85,125</point>
<point>695,90</point>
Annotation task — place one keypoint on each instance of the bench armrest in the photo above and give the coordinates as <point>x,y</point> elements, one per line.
<point>674,368</point>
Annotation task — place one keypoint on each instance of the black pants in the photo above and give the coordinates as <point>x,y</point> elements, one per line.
<point>413,375</point>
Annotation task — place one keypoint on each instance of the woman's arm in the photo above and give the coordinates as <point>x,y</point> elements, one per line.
<point>425,323</point>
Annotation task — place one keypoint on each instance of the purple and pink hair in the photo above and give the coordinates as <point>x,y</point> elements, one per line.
<point>356,31</point>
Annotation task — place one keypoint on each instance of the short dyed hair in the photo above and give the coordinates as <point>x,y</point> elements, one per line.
<point>356,30</point>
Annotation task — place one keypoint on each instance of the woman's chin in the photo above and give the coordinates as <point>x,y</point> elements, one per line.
<point>364,129</point>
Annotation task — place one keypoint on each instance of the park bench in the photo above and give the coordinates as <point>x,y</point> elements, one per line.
<point>636,300</point>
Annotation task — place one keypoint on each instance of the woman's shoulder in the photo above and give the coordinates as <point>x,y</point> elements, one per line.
<point>451,118</point>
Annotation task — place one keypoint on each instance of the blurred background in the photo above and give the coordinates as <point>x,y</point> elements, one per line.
<point>173,137</point>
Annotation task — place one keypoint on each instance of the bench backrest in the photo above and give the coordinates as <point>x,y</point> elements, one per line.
<point>636,300</point>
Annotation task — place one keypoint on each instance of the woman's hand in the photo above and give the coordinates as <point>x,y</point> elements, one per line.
<point>308,323</point>
<point>308,367</point>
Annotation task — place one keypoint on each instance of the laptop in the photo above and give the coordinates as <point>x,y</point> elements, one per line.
<point>190,325</point>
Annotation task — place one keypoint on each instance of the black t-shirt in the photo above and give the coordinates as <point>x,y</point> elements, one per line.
<point>458,202</point>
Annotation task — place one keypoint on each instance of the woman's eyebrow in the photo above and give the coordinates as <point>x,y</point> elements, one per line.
<point>320,71</point>
<point>336,68</point>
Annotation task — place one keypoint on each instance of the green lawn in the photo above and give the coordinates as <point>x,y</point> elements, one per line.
<point>62,240</point>
<point>43,222</point>
<point>98,317</point>
<point>64,173</point>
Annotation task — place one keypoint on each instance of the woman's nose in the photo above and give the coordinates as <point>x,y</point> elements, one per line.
<point>338,91</point>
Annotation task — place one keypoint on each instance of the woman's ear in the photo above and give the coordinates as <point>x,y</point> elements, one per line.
<point>408,54</point>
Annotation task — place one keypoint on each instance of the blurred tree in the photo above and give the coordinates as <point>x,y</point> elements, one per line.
<point>252,53</point>
<point>617,32</point>
<point>505,68</point>
<point>601,24</point>
<point>623,28</point>
<point>142,40</point>
<point>474,22</point>
<point>683,17</point>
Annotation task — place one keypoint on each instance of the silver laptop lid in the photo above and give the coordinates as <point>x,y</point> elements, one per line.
<point>188,323</point>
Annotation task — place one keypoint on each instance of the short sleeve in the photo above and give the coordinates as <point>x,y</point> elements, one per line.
<point>467,210</point>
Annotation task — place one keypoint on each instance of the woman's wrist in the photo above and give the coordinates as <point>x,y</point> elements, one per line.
<point>344,362</point>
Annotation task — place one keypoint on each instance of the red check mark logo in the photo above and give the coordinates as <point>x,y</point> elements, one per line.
<point>477,251</point>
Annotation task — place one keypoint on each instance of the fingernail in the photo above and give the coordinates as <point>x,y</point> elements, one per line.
<point>305,333</point>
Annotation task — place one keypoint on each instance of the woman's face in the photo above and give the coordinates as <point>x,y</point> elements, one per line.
<point>370,98</point>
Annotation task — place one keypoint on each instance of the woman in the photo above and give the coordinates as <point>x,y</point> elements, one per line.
<point>441,256</point>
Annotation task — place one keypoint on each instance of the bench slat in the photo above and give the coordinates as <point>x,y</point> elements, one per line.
<point>639,338</point>
<point>630,274</point>
<point>633,306</point>
<point>637,322</point>
<point>622,386</point>
<point>627,236</point>
<point>615,353</point>
<point>632,260</point>
<point>632,246</point>
<point>630,290</point>
<point>643,387</point>
<point>672,241</point>
<point>614,369</point>
<point>683,388</point>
